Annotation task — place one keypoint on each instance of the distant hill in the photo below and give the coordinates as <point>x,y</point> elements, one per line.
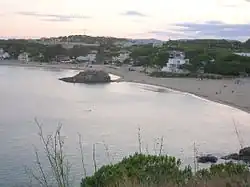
<point>98,39</point>
<point>85,39</point>
<point>112,40</point>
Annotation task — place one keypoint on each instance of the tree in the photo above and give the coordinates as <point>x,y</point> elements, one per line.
<point>247,44</point>
<point>142,51</point>
<point>229,65</point>
<point>54,50</point>
<point>160,58</point>
<point>78,50</point>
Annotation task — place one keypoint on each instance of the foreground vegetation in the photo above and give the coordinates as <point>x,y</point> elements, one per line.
<point>159,170</point>
<point>138,170</point>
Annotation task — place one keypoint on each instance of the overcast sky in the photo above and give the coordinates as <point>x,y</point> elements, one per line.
<point>161,19</point>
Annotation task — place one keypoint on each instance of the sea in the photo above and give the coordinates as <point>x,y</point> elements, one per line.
<point>118,119</point>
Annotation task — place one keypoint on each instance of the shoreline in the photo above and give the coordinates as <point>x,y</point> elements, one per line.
<point>223,91</point>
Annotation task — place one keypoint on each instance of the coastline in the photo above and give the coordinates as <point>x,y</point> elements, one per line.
<point>223,91</point>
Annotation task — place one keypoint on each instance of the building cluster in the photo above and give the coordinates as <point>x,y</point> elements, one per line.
<point>130,43</point>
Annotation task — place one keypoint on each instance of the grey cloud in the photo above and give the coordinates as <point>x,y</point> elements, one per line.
<point>56,20</point>
<point>209,29</point>
<point>163,33</point>
<point>170,34</point>
<point>133,13</point>
<point>215,29</point>
<point>53,17</point>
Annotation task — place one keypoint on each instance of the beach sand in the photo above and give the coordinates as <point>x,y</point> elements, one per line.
<point>224,91</point>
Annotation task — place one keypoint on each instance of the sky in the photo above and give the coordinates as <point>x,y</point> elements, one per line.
<point>160,19</point>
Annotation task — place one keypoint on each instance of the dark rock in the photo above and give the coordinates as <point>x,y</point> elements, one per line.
<point>245,151</point>
<point>244,154</point>
<point>234,156</point>
<point>89,76</point>
<point>207,159</point>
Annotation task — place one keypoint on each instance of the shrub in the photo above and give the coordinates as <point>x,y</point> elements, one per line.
<point>142,169</point>
<point>151,170</point>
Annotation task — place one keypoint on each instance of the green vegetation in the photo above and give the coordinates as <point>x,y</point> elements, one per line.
<point>41,52</point>
<point>143,169</point>
<point>153,170</point>
<point>210,56</point>
<point>15,47</point>
<point>229,65</point>
<point>147,55</point>
<point>90,39</point>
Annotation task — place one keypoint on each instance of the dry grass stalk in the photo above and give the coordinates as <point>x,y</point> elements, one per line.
<point>161,145</point>
<point>94,157</point>
<point>82,156</point>
<point>240,140</point>
<point>139,140</point>
<point>54,152</point>
<point>107,152</point>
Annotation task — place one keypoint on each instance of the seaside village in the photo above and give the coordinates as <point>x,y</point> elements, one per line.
<point>176,59</point>
<point>120,54</point>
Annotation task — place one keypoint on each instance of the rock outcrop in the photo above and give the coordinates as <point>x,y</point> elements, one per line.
<point>207,159</point>
<point>89,76</point>
<point>244,155</point>
<point>234,156</point>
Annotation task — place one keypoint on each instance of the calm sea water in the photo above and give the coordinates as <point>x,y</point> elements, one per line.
<point>105,114</point>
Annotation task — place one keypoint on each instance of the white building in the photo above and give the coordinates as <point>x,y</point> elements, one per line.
<point>93,52</point>
<point>243,54</point>
<point>6,55</point>
<point>3,54</point>
<point>90,58</point>
<point>158,44</point>
<point>124,44</point>
<point>82,58</point>
<point>124,55</point>
<point>24,57</point>
<point>176,59</point>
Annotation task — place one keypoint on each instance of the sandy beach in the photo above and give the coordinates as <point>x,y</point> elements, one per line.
<point>224,91</point>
